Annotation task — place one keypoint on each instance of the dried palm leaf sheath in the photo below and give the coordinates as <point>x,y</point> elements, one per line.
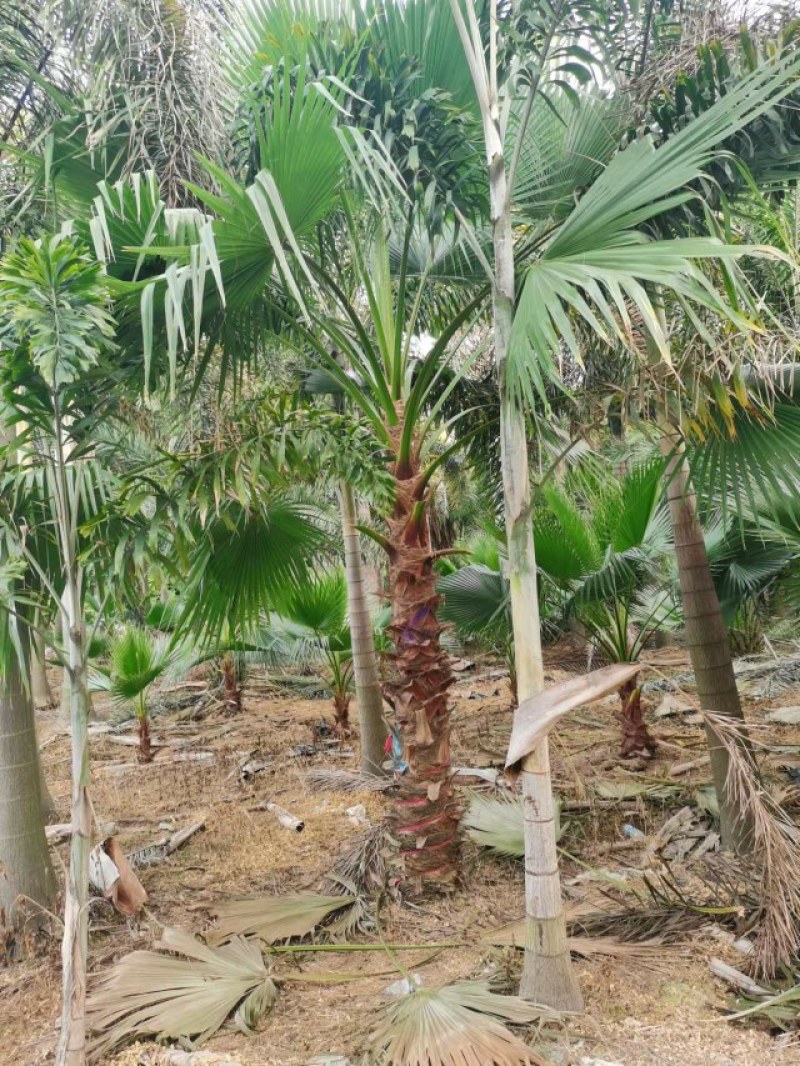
<point>535,717</point>
<point>275,918</point>
<point>458,1025</point>
<point>153,994</point>
<point>424,814</point>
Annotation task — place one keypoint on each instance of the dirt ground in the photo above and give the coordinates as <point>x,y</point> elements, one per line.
<point>656,1011</point>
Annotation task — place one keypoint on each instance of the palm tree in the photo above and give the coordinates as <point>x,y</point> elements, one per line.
<point>311,623</point>
<point>135,661</point>
<point>590,260</point>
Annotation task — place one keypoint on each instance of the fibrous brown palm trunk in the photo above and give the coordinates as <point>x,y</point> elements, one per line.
<point>424,813</point>
<point>637,740</point>
<point>706,638</point>
<point>341,713</point>
<point>232,692</point>
<point>145,744</point>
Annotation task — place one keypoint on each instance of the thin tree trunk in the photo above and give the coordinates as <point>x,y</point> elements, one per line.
<point>424,813</point>
<point>40,686</point>
<point>369,697</point>
<point>706,637</point>
<point>71,1049</point>
<point>547,976</point>
<point>25,867</point>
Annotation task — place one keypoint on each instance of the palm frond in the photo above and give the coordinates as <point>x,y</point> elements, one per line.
<point>476,601</point>
<point>277,917</point>
<point>599,262</point>
<point>244,562</point>
<point>458,1025</point>
<point>184,990</point>
<point>496,822</point>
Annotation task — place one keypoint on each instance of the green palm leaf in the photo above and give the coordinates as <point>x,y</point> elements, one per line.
<point>244,562</point>
<point>476,601</point>
<point>136,660</point>
<point>598,262</point>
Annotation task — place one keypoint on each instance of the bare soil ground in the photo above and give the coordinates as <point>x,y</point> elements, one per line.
<point>658,1011</point>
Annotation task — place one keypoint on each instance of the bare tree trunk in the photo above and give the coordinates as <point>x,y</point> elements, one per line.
<point>71,1049</point>
<point>369,697</point>
<point>40,686</point>
<point>25,867</point>
<point>706,637</point>
<point>547,975</point>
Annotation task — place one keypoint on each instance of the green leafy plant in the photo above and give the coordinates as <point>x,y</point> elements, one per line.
<point>136,659</point>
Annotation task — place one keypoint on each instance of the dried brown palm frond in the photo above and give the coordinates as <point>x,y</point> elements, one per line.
<point>775,852</point>
<point>183,990</point>
<point>322,779</point>
<point>651,950</point>
<point>362,864</point>
<point>273,918</point>
<point>495,822</point>
<point>458,1025</point>
<point>631,924</point>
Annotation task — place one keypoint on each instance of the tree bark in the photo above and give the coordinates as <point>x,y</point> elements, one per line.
<point>706,637</point>
<point>637,741</point>
<point>547,975</point>
<point>40,686</point>
<point>71,1050</point>
<point>369,697</point>
<point>145,746</point>
<point>424,814</point>
<point>25,867</point>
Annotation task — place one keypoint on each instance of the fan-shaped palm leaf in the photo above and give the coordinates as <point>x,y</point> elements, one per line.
<point>458,1025</point>
<point>244,562</point>
<point>186,995</point>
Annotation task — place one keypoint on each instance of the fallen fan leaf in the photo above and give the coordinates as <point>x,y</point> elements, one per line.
<point>458,1025</point>
<point>273,918</point>
<point>186,994</point>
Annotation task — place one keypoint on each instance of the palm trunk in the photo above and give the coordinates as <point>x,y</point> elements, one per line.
<point>341,714</point>
<point>365,661</point>
<point>24,854</point>
<point>145,746</point>
<point>40,686</point>
<point>424,812</point>
<point>547,975</point>
<point>232,692</point>
<point>71,1049</point>
<point>706,637</point>
<point>637,740</point>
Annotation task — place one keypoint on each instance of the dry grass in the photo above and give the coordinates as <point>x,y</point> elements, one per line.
<point>635,1015</point>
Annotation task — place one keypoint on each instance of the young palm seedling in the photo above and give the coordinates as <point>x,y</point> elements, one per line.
<point>135,661</point>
